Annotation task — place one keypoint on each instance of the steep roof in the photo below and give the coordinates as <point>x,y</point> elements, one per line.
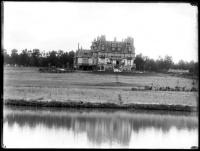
<point>108,47</point>
<point>123,45</point>
<point>84,53</point>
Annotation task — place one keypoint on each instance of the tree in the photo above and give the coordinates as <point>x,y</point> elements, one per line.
<point>24,58</point>
<point>65,58</point>
<point>196,66</point>
<point>30,58</point>
<point>60,62</point>
<point>52,58</point>
<point>71,58</point>
<point>152,65</point>
<point>40,61</point>
<point>146,63</point>
<point>191,65</point>
<point>139,61</point>
<point>36,54</point>
<point>14,57</point>
<point>160,63</point>
<point>167,63</point>
<point>182,65</point>
<point>6,57</point>
<point>31,61</point>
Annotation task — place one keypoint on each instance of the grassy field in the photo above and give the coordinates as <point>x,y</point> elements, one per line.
<point>26,83</point>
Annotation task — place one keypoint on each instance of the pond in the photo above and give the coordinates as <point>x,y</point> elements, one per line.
<point>28,127</point>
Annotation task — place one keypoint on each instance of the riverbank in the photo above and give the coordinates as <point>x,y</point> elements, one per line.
<point>80,104</point>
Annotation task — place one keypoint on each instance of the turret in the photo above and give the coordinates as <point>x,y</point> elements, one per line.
<point>103,37</point>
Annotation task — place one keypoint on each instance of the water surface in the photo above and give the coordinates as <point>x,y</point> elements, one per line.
<point>27,127</point>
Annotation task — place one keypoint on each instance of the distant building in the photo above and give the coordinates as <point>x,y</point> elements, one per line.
<point>106,55</point>
<point>178,71</point>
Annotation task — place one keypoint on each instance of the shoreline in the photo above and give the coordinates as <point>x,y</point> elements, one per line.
<point>104,105</point>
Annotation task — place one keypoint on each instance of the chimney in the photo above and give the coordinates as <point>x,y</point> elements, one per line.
<point>115,39</point>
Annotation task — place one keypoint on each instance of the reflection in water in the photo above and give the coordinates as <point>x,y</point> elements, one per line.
<point>100,126</point>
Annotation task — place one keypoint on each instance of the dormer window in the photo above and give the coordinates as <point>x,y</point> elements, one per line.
<point>119,47</point>
<point>113,46</point>
<point>103,47</point>
<point>94,46</point>
<point>128,47</point>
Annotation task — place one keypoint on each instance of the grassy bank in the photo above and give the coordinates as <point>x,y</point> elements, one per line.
<point>23,83</point>
<point>80,104</point>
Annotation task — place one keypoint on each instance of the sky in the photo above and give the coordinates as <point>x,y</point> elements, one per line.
<point>158,29</point>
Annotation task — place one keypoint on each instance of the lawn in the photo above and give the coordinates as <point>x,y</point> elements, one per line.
<point>27,83</point>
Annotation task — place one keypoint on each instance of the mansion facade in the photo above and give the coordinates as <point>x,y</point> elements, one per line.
<point>106,55</point>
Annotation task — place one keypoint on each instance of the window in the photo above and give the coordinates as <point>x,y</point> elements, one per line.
<point>102,60</point>
<point>128,47</point>
<point>95,54</point>
<point>117,55</point>
<point>119,47</point>
<point>95,46</point>
<point>113,46</point>
<point>85,61</point>
<point>103,47</point>
<point>95,61</point>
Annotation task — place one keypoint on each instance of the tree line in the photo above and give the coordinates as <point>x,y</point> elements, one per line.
<point>144,63</point>
<point>36,58</point>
